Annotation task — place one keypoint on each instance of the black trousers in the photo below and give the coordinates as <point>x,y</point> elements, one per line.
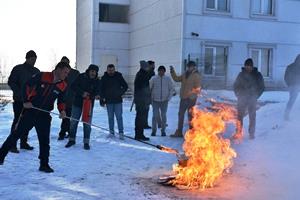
<point>65,123</point>
<point>244,104</point>
<point>18,107</point>
<point>31,118</point>
<point>141,117</point>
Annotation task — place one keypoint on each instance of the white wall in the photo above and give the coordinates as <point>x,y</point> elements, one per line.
<point>111,39</point>
<point>155,33</point>
<point>239,30</point>
<point>84,27</point>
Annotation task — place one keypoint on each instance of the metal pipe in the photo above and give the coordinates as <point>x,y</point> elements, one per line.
<point>160,147</point>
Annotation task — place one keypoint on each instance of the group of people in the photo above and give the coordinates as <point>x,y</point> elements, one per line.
<point>35,92</point>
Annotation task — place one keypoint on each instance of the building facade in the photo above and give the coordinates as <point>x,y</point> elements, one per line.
<point>218,34</point>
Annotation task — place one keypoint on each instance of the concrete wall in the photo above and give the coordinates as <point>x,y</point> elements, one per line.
<point>240,30</point>
<point>155,33</point>
<point>111,41</point>
<point>84,33</point>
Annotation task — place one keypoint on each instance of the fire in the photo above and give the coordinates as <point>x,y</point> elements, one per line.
<point>167,149</point>
<point>209,154</point>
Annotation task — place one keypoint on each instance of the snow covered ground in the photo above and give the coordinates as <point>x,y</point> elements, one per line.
<point>266,168</point>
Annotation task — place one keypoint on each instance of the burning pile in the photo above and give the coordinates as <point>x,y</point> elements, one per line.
<point>209,154</point>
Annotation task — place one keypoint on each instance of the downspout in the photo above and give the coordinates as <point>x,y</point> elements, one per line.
<point>92,58</point>
<point>182,36</point>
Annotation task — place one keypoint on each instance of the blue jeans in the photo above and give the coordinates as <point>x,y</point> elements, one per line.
<point>76,113</point>
<point>159,112</point>
<point>113,110</point>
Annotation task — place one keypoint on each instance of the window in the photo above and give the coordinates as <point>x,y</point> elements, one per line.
<point>215,60</point>
<point>217,5</point>
<point>113,13</point>
<point>263,7</point>
<point>262,58</point>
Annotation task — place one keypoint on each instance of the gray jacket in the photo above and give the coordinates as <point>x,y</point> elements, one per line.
<point>162,88</point>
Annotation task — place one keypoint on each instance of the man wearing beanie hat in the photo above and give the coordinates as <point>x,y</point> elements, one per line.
<point>142,99</point>
<point>16,81</point>
<point>248,87</point>
<point>86,88</point>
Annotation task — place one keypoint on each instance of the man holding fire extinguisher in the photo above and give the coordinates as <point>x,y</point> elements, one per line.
<point>87,88</point>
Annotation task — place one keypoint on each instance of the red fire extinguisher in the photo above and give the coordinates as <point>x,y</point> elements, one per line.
<point>86,109</point>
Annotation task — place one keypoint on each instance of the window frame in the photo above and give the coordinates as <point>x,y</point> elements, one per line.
<point>112,4</point>
<point>214,46</point>
<point>257,47</point>
<point>261,15</point>
<point>215,11</point>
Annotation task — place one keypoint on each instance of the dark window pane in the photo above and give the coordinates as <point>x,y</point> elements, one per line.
<point>222,5</point>
<point>208,63</point>
<point>210,4</point>
<point>113,13</point>
<point>220,61</point>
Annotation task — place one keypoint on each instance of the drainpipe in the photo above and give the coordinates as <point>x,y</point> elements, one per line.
<point>182,35</point>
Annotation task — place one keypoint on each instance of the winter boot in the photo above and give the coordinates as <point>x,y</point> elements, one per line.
<point>70,143</point>
<point>86,146</point>
<point>26,146</point>
<point>121,136</point>
<point>147,127</point>
<point>141,137</point>
<point>251,136</point>
<point>177,134</point>
<point>14,150</point>
<point>163,134</point>
<point>46,168</point>
<point>153,133</point>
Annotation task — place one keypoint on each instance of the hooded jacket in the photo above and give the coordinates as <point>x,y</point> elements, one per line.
<point>248,84</point>
<point>190,83</point>
<point>292,73</point>
<point>161,88</point>
<point>83,83</point>
<point>18,77</point>
<point>113,87</point>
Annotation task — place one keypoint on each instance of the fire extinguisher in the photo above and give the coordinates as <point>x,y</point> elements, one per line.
<point>86,109</point>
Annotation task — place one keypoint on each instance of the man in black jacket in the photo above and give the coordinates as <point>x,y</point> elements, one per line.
<point>87,89</point>
<point>113,86</point>
<point>248,87</point>
<point>142,99</point>
<point>40,92</point>
<point>292,79</point>
<point>65,123</point>
<point>17,79</point>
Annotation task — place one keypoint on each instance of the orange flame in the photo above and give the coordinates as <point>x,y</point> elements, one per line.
<point>168,149</point>
<point>209,154</point>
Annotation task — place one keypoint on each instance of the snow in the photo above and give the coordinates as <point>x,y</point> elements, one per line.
<point>265,168</point>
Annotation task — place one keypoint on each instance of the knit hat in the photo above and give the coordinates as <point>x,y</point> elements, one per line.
<point>191,64</point>
<point>30,54</point>
<point>248,62</point>
<point>93,67</point>
<point>161,68</point>
<point>144,65</point>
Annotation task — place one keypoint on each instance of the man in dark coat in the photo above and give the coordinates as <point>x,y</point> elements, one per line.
<point>40,92</point>
<point>292,79</point>
<point>151,74</point>
<point>17,79</point>
<point>248,87</point>
<point>65,123</point>
<point>86,87</point>
<point>142,99</point>
<point>113,86</point>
